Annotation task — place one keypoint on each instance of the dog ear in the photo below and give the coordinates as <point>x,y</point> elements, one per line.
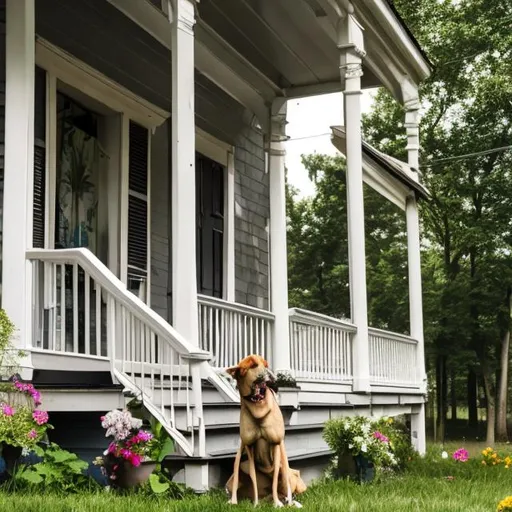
<point>234,371</point>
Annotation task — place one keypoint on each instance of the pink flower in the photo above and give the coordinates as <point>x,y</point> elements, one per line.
<point>136,459</point>
<point>36,396</point>
<point>40,417</point>
<point>32,434</point>
<point>461,455</point>
<point>381,437</point>
<point>112,448</point>
<point>8,410</point>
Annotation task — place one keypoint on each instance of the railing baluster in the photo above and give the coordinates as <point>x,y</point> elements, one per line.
<point>87,313</point>
<point>75,308</point>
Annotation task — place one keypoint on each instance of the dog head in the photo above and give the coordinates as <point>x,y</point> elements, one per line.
<point>253,378</point>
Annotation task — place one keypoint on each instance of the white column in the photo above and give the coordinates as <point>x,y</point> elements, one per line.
<point>278,249</point>
<point>184,280</point>
<point>350,44</point>
<point>414,259</point>
<point>19,169</point>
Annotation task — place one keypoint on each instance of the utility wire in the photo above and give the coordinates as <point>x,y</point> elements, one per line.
<point>468,155</point>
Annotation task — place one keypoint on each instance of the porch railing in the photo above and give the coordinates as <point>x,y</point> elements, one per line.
<point>321,346</point>
<point>232,331</point>
<point>82,308</point>
<point>392,358</point>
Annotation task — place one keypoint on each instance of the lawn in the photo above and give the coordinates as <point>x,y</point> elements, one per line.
<point>430,485</point>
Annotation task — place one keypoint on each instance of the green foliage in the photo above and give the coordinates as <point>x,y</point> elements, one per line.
<point>9,355</point>
<point>162,444</point>
<point>59,471</point>
<point>318,249</point>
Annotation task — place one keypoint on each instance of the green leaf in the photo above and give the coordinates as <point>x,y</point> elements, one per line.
<point>166,449</point>
<point>31,476</point>
<point>157,486</point>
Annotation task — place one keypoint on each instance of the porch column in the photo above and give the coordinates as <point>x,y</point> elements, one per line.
<point>351,46</point>
<point>278,250</point>
<point>412,106</point>
<point>184,280</point>
<point>19,170</point>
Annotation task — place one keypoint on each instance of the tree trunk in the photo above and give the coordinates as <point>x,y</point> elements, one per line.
<point>453,395</point>
<point>491,407</point>
<point>472,399</point>
<point>441,396</point>
<point>501,425</point>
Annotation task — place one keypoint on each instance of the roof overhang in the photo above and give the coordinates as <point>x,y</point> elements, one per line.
<point>390,177</point>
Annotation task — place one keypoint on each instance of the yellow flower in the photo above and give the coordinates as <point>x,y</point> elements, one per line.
<point>484,463</point>
<point>505,505</point>
<point>494,455</point>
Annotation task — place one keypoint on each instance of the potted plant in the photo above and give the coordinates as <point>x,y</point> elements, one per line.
<point>288,390</point>
<point>22,424</point>
<point>134,451</point>
<point>358,446</point>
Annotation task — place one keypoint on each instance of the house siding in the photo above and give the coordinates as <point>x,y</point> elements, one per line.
<point>160,219</point>
<point>252,214</point>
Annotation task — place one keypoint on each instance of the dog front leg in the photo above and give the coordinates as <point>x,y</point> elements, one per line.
<point>286,473</point>
<point>252,472</point>
<point>275,480</point>
<point>236,475</point>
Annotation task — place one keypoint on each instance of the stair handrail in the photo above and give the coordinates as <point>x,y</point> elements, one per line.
<point>113,285</point>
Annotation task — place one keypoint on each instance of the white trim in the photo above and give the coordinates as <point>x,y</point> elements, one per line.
<point>17,285</point>
<point>229,231</point>
<point>51,159</point>
<point>148,206</point>
<point>91,82</point>
<point>213,148</point>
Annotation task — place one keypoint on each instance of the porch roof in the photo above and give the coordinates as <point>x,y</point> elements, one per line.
<point>397,169</point>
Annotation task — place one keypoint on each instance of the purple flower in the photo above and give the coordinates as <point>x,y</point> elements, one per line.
<point>8,410</point>
<point>40,417</point>
<point>32,434</point>
<point>460,455</point>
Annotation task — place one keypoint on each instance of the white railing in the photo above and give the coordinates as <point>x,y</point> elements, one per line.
<point>82,308</point>
<point>392,358</point>
<point>233,331</point>
<point>320,346</point>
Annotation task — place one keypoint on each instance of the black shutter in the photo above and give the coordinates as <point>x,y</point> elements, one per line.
<point>209,226</point>
<point>38,228</point>
<point>137,198</point>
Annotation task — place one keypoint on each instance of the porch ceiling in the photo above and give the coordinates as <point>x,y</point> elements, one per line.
<point>293,43</point>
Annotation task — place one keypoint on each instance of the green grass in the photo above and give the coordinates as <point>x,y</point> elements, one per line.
<point>425,487</point>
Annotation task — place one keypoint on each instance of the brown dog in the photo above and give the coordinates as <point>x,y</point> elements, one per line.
<point>262,435</point>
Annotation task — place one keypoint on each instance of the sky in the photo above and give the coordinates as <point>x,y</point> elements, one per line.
<point>309,122</point>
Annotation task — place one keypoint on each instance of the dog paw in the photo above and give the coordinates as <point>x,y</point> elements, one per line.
<point>278,504</point>
<point>233,501</point>
<point>296,504</point>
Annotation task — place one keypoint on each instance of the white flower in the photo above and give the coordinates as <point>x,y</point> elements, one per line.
<point>364,448</point>
<point>444,455</point>
<point>350,446</point>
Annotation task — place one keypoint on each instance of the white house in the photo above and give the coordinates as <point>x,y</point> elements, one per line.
<point>144,226</point>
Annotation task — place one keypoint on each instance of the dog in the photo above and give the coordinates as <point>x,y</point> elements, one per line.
<point>262,437</point>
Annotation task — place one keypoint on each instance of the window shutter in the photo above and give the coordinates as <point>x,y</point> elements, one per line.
<point>39,206</point>
<point>137,198</point>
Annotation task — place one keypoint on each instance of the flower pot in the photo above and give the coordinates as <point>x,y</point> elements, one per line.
<point>123,474</point>
<point>11,455</point>
<point>357,468</point>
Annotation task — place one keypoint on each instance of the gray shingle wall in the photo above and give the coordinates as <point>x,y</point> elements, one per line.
<point>160,219</point>
<point>252,213</point>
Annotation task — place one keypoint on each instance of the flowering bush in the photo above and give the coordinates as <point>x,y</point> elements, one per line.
<point>21,423</point>
<point>361,436</point>
<point>505,505</point>
<point>491,457</point>
<point>460,455</point>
